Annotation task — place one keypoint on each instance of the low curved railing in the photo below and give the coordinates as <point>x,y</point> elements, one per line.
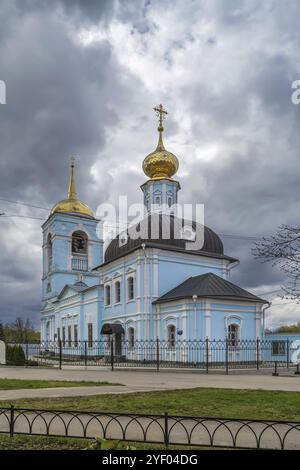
<point>165,429</point>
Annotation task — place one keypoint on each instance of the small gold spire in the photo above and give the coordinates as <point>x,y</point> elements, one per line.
<point>72,187</point>
<point>72,204</point>
<point>160,164</point>
<point>162,114</point>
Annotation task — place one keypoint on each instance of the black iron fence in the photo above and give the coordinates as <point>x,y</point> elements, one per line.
<point>159,429</point>
<point>207,355</point>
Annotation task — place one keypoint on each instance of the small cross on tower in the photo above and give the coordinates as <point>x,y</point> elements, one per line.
<point>162,114</point>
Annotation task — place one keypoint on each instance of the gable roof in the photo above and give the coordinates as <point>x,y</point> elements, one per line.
<point>208,285</point>
<point>77,287</point>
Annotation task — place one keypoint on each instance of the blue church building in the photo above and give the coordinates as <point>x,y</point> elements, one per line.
<point>145,287</point>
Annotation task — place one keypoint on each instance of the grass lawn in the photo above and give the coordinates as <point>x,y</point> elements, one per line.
<point>251,404</point>
<point>61,443</point>
<point>15,384</point>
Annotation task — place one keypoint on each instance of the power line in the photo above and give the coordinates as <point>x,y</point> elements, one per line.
<point>283,303</point>
<point>231,236</point>
<point>4,215</point>
<point>24,204</point>
<point>271,292</point>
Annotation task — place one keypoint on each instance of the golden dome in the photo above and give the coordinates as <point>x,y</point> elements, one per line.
<point>72,204</point>
<point>160,164</point>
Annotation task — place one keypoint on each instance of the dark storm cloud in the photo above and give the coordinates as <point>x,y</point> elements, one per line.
<point>56,107</point>
<point>227,65</point>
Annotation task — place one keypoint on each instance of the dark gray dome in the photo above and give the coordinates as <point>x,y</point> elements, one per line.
<point>160,225</point>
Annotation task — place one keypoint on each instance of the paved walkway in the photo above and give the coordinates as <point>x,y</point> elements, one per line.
<point>180,430</point>
<point>137,381</point>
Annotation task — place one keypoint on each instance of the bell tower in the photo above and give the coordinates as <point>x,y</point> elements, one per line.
<point>71,247</point>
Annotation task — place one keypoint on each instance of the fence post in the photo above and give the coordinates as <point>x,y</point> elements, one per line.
<point>85,353</point>
<point>257,353</point>
<point>287,353</point>
<point>112,353</point>
<point>275,373</point>
<point>26,351</point>
<point>12,421</point>
<point>207,352</point>
<point>157,355</point>
<point>166,430</point>
<point>60,353</point>
<point>226,357</point>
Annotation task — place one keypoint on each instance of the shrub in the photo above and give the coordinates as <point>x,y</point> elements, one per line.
<point>15,355</point>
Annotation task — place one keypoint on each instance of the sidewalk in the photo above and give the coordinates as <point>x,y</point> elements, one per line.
<point>137,381</point>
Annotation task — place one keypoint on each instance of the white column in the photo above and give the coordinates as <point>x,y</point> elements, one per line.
<point>155,277</point>
<point>258,321</point>
<point>184,327</point>
<point>207,320</point>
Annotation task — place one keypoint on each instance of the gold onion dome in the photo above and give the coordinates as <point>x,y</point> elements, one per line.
<point>160,164</point>
<point>72,204</point>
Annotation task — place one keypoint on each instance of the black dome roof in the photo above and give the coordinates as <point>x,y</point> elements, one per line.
<point>158,225</point>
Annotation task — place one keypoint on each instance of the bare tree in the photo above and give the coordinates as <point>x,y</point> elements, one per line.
<point>283,250</point>
<point>21,331</point>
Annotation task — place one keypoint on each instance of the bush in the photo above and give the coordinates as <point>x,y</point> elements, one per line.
<point>15,355</point>
<point>31,363</point>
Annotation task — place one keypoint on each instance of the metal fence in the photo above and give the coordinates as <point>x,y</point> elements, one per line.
<point>207,355</point>
<point>160,429</point>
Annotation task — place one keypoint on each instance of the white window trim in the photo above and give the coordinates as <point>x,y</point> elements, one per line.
<point>106,305</point>
<point>120,301</point>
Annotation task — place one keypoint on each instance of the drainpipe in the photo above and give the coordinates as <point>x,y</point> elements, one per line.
<point>195,297</point>
<point>264,317</point>
<point>233,265</point>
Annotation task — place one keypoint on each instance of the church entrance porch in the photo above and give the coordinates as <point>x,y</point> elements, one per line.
<point>115,333</point>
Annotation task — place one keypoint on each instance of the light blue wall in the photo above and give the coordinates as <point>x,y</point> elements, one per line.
<point>175,269</point>
<point>163,189</point>
<point>290,343</point>
<point>61,227</point>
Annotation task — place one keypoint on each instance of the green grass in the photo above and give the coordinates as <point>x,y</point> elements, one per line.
<point>249,404</point>
<point>15,384</point>
<point>66,443</point>
<point>41,443</point>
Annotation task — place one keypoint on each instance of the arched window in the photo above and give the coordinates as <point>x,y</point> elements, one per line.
<point>48,287</point>
<point>107,295</point>
<point>117,292</point>
<point>171,336</point>
<point>130,288</point>
<point>170,201</point>
<point>130,335</point>
<point>79,242</point>
<point>233,335</point>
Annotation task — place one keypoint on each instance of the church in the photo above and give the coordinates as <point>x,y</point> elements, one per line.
<point>140,288</point>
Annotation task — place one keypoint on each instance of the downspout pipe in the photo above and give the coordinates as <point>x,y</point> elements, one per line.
<point>264,317</point>
<point>233,265</point>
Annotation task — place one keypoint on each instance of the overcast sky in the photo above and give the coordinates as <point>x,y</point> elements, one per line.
<point>82,78</point>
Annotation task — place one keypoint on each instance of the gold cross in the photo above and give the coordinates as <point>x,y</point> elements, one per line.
<point>161,113</point>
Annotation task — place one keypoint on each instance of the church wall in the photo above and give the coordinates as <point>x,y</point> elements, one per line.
<point>80,309</point>
<point>207,320</point>
<point>61,227</point>
<point>120,312</point>
<point>222,314</point>
<point>176,268</point>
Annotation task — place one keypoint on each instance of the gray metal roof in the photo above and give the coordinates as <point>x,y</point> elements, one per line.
<point>208,285</point>
<point>163,231</point>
